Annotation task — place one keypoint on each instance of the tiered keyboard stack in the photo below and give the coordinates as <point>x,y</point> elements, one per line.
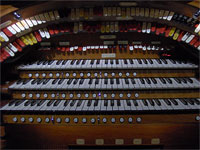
<point>106,95</point>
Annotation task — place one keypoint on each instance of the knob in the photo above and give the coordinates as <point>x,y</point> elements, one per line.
<point>71,95</point>
<point>105,95</point>
<point>67,120</point>
<point>121,95</point>
<point>94,95</point>
<point>47,120</point>
<point>30,75</point>
<point>22,119</point>
<point>75,120</point>
<point>197,118</point>
<point>78,95</point>
<point>105,74</point>
<point>131,48</point>
<point>127,74</point>
<point>113,120</point>
<point>112,95</point>
<point>121,120</point>
<point>74,74</point>
<point>84,120</point>
<point>44,75</point>
<point>50,75</point>
<point>136,95</point>
<point>88,74</point>
<point>53,95</point>
<point>57,74</point>
<point>14,119</point>
<point>130,120</point>
<point>139,119</point>
<point>30,95</point>
<point>37,75</point>
<point>39,120</point>
<point>45,95</point>
<point>120,74</point>
<point>58,120</point>
<point>95,74</point>
<point>63,95</point>
<point>112,74</point>
<point>86,95</point>
<point>67,74</point>
<point>30,119</point>
<point>92,120</point>
<point>134,74</point>
<point>104,120</point>
<point>23,95</point>
<point>81,74</point>
<point>37,95</point>
<point>128,95</point>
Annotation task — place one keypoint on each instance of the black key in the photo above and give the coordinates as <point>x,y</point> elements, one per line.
<point>58,62</point>
<point>69,81</point>
<point>11,102</point>
<point>139,61</point>
<point>158,60</point>
<point>190,101</point>
<point>97,81</point>
<point>34,102</point>
<point>55,81</point>
<point>57,102</point>
<point>27,103</point>
<point>126,81</point>
<point>184,101</point>
<point>61,81</point>
<point>40,102</point>
<point>117,81</point>
<point>92,62</point>
<point>34,81</point>
<point>128,102</point>
<point>147,80</point>
<point>165,62</point>
<point>50,102</point>
<point>46,81</point>
<point>26,81</point>
<point>81,81</point>
<point>19,102</point>
<point>145,61</point>
<point>83,62</point>
<point>168,80</point>
<point>154,80</point>
<point>172,61</point>
<point>183,80</point>
<point>72,103</point>
<point>64,62</point>
<point>111,62</point>
<point>98,61</point>
<point>96,102</point>
<point>105,102</point>
<point>162,80</point>
<point>19,81</point>
<point>90,82</point>
<point>106,61</point>
<point>151,102</point>
<point>66,103</point>
<point>177,80</point>
<point>111,81</point>
<point>189,80</point>
<point>142,80</point>
<point>167,101</point>
<point>131,61</point>
<point>45,62</point>
<point>89,103</point>
<point>40,62</point>
<point>135,103</point>
<point>40,81</point>
<point>125,61</point>
<point>145,102</point>
<point>78,62</point>
<point>112,102</point>
<point>79,103</point>
<point>117,61</point>
<point>174,101</point>
<point>105,81</point>
<point>157,102</point>
<point>118,103</point>
<point>133,81</point>
<point>196,101</point>
<point>72,62</point>
<point>75,81</point>
<point>50,62</point>
<point>150,61</point>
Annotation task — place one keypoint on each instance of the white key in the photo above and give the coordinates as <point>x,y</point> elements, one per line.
<point>56,14</point>
<point>4,36</point>
<point>121,107</point>
<point>12,30</point>
<point>85,107</point>
<point>67,108</point>
<point>143,106</point>
<point>33,20</point>
<point>16,28</point>
<point>59,107</point>
<point>139,107</point>
<point>98,107</point>
<point>43,19</point>
<point>20,26</point>
<point>47,17</point>
<point>79,108</point>
<point>29,22</point>
<point>39,21</point>
<point>91,108</point>
<point>126,107</point>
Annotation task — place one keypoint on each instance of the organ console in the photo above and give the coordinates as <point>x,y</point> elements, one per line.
<point>100,75</point>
